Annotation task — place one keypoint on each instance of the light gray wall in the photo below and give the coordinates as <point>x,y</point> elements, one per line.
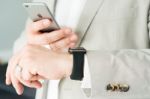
<point>12,20</point>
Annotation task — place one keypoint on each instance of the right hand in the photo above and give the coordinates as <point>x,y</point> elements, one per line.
<point>59,39</point>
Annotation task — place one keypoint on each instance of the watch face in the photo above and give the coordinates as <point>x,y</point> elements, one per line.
<point>78,49</point>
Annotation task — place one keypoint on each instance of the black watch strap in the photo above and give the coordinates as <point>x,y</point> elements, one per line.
<point>78,63</point>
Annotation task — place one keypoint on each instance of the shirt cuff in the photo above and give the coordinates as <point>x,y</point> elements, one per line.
<point>86,82</point>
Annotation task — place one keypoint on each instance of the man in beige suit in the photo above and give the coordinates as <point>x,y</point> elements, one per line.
<point>116,37</point>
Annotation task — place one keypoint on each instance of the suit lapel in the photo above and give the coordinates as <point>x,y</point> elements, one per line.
<point>89,12</point>
<point>87,16</point>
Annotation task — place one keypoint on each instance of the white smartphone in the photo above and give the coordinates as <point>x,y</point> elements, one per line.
<point>38,11</point>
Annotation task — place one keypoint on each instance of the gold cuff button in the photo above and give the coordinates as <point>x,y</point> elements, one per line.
<point>124,87</point>
<point>117,87</point>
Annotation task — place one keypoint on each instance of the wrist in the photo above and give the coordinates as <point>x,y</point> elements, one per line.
<point>68,64</point>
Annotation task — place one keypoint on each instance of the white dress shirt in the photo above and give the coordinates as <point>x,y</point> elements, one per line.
<point>67,15</point>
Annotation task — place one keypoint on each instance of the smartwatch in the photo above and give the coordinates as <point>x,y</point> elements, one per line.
<point>78,62</point>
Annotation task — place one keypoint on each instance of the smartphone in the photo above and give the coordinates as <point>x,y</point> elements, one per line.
<point>38,11</point>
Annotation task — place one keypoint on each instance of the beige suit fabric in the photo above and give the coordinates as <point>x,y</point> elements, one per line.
<point>116,36</point>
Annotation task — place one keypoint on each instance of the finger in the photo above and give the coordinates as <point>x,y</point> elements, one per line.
<point>72,45</point>
<point>51,37</point>
<point>26,75</point>
<point>19,73</point>
<point>67,42</point>
<point>40,25</point>
<point>31,84</point>
<point>8,78</point>
<point>68,31</point>
<point>17,85</point>
<point>73,38</point>
<point>37,77</point>
<point>8,72</point>
<point>47,38</point>
<point>60,44</point>
<point>34,84</point>
<point>11,65</point>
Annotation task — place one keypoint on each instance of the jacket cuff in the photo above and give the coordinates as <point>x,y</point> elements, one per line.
<point>86,82</point>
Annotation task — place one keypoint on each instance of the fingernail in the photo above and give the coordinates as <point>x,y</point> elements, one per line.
<point>46,22</point>
<point>19,92</point>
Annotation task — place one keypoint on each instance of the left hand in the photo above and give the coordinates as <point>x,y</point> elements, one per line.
<point>39,62</point>
<point>11,72</point>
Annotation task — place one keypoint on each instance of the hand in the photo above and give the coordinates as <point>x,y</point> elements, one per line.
<point>38,62</point>
<point>11,78</point>
<point>59,39</point>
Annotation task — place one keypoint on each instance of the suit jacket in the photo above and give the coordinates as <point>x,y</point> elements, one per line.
<point>116,36</point>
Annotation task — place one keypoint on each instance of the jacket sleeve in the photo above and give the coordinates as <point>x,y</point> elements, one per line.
<point>125,66</point>
<point>130,67</point>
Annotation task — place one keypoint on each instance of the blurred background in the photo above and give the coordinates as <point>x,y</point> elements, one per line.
<point>12,22</point>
